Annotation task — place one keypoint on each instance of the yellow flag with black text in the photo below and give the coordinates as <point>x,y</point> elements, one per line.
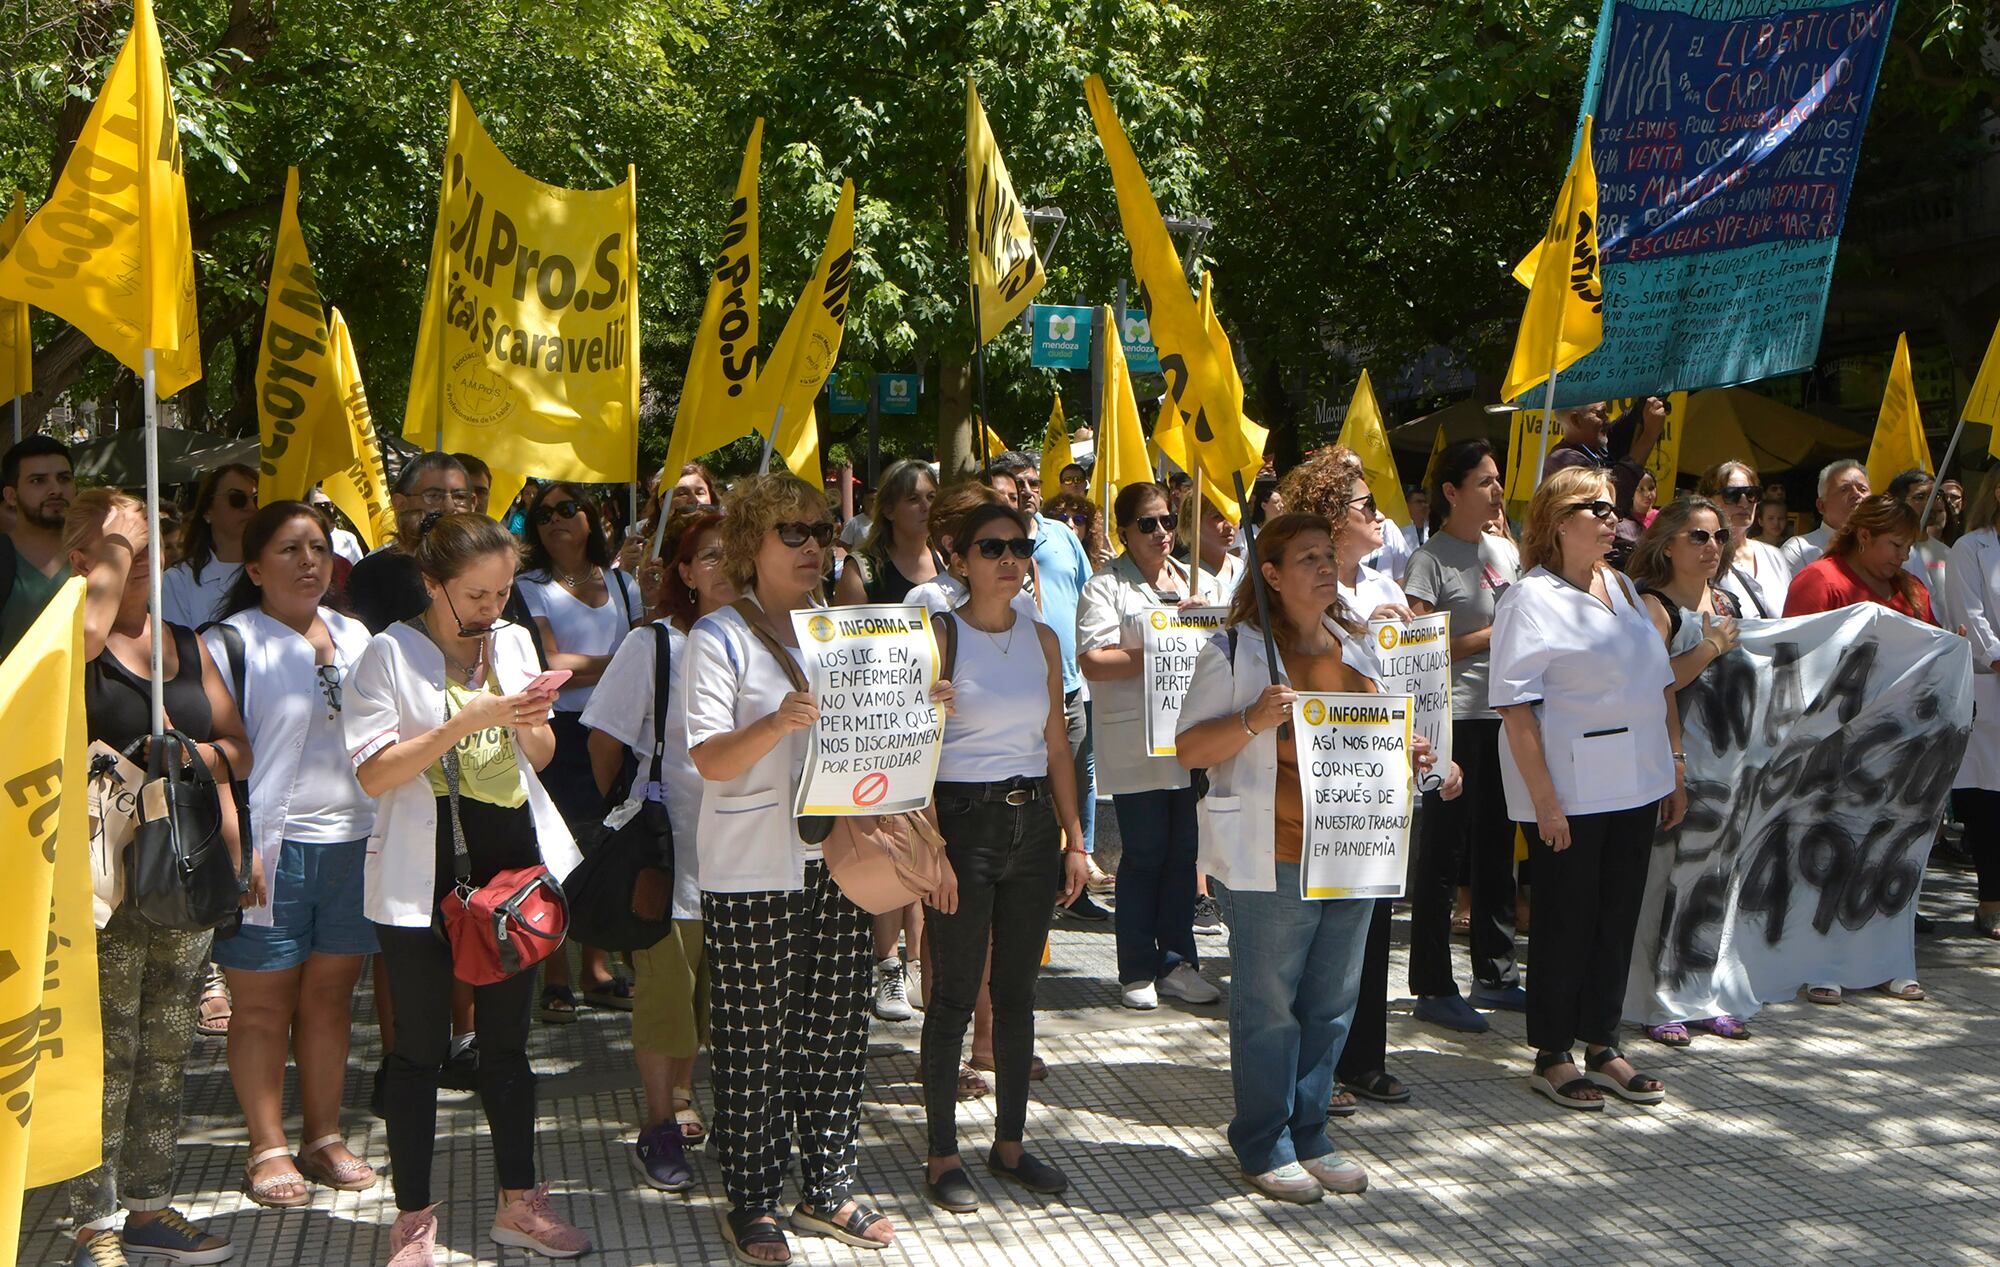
<point>722,369</point>
<point>1363,432</point>
<point>804,354</point>
<point>1121,441</point>
<point>360,487</point>
<point>1056,453</point>
<point>51,1036</point>
<point>1006,271</point>
<point>110,252</point>
<point>299,406</point>
<point>1170,435</point>
<point>17,354</point>
<point>1564,318</point>
<point>1983,404</point>
<point>529,344</point>
<point>1899,443</point>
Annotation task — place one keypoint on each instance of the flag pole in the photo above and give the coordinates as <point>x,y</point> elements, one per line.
<point>770,438</point>
<point>156,577</point>
<point>1194,552</point>
<point>1924,520</point>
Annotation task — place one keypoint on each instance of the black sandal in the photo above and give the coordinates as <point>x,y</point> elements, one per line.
<point>1639,1089</point>
<point>746,1229</point>
<point>1570,1094</point>
<point>1378,1086</point>
<point>553,1015</point>
<point>809,1219</point>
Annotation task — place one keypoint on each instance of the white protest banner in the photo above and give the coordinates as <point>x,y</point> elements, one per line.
<point>1415,656</point>
<point>1354,780</point>
<point>875,747</point>
<point>1819,756</point>
<point>1172,641</point>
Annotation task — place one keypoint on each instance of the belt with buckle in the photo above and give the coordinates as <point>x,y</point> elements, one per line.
<point>1015,792</point>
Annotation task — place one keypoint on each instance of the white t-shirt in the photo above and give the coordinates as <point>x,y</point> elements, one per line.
<point>327,806</point>
<point>1371,589</point>
<point>348,546</point>
<point>1598,677</point>
<point>1395,553</point>
<point>1806,548</point>
<point>186,601</point>
<point>853,531</point>
<point>997,729</point>
<point>579,628</point>
<point>623,709</point>
<point>1758,574</point>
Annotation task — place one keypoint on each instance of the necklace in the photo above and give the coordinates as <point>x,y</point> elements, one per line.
<point>1004,648</point>
<point>452,664</point>
<point>575,580</point>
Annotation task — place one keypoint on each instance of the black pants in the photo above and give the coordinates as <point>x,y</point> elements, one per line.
<point>1367,1049</point>
<point>1585,902</point>
<point>1008,859</point>
<point>1472,830</point>
<point>1979,810</point>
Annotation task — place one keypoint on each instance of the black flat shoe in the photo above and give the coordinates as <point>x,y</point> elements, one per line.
<point>953,1191</point>
<point>1031,1172</point>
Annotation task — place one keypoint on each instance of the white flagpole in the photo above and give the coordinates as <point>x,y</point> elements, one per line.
<point>152,430</point>
<point>771,438</point>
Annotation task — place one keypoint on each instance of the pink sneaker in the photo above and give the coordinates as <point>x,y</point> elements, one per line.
<point>413,1241</point>
<point>529,1223</point>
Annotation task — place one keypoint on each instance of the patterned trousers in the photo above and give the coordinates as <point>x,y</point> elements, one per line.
<point>147,977</point>
<point>788,1017</point>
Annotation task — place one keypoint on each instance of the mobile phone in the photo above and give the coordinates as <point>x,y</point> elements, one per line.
<point>550,682</point>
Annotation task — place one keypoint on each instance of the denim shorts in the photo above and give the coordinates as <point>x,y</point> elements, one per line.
<point>316,910</point>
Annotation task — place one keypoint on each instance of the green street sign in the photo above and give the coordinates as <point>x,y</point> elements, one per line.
<point>1141,357</point>
<point>1062,337</point>
<point>840,402</point>
<point>898,393</point>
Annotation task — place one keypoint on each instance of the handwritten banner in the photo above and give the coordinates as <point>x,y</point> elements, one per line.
<point>875,747</point>
<point>1726,137</point>
<point>1354,776</point>
<point>1415,657</point>
<point>1172,642</point>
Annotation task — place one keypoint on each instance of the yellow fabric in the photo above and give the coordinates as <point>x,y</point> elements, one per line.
<point>51,1042</point>
<point>1195,355</point>
<point>361,487</point>
<point>1665,459</point>
<point>1006,271</point>
<point>529,342</point>
<point>803,356</point>
<point>1431,466</point>
<point>1983,405</point>
<point>500,494</point>
<point>1524,448</point>
<point>1362,431</point>
<point>110,251</point>
<point>301,414</point>
<point>1899,443</point>
<point>17,361</point>
<point>722,371</point>
<point>488,770</point>
<point>1564,319</point>
<point>1121,445</point>
<point>994,444</point>
<point>1056,453</point>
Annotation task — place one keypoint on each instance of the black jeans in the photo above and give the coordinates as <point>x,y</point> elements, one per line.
<point>1979,810</point>
<point>1473,828</point>
<point>1367,1047</point>
<point>1585,902</point>
<point>1008,859</point>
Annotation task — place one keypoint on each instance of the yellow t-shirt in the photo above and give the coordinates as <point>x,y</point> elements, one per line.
<point>488,769</point>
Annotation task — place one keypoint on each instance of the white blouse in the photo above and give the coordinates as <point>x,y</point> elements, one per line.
<point>579,628</point>
<point>1758,578</point>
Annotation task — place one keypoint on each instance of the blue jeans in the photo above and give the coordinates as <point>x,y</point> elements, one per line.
<point>1295,978</point>
<point>1155,885</point>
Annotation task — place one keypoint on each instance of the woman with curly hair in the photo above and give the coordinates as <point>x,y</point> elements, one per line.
<point>1081,514</point>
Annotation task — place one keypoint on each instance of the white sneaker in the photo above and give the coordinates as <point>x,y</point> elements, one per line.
<point>1140,996</point>
<point>892,997</point>
<point>1289,1182</point>
<point>1185,983</point>
<point>1335,1175</point>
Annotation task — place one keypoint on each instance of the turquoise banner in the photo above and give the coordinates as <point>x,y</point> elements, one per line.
<point>1062,336</point>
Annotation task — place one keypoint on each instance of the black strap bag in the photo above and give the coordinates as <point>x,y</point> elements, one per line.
<point>181,877</point>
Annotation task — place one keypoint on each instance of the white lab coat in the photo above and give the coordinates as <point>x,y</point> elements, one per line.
<point>1974,584</point>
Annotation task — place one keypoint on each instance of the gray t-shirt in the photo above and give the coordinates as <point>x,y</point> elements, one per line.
<point>1466,580</point>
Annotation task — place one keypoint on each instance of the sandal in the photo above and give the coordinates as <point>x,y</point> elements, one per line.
<point>972,1084</point>
<point>1638,1089</point>
<point>1343,1104</point>
<point>265,1191</point>
<point>1038,1069</point>
<point>1904,988</point>
<point>1672,1034</point>
<point>558,1005</point>
<point>211,1021</point>
<point>1724,1026</point>
<point>350,1174</point>
<point>1577,1093</point>
<point>1378,1086</point>
<point>1461,926</point>
<point>614,995</point>
<point>1987,925</point>
<point>1827,995</point>
<point>694,1131</point>
<point>852,1230</point>
<point>747,1229</point>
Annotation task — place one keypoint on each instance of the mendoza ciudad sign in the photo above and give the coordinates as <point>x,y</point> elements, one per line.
<point>875,747</point>
<point>1062,336</point>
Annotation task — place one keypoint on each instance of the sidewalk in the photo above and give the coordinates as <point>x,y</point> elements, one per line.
<point>1856,1134</point>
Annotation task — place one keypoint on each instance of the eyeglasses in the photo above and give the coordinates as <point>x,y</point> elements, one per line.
<point>436,497</point>
<point>1739,493</point>
<point>795,534</point>
<point>567,508</point>
<point>1157,523</point>
<point>1602,509</point>
<point>994,547</point>
<point>238,499</point>
<point>1367,504</point>
<point>329,686</point>
<point>1702,536</point>
<point>1074,518</point>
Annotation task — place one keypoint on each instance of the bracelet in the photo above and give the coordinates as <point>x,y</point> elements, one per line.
<point>1244,717</point>
<point>1680,758</point>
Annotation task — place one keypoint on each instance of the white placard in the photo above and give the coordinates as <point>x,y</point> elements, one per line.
<point>1415,656</point>
<point>1172,641</point>
<point>875,747</point>
<point>1354,779</point>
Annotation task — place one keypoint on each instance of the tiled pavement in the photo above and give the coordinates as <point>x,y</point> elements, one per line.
<point>1849,1135</point>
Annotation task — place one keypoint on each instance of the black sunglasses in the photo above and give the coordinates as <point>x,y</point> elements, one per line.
<point>1739,492</point>
<point>1157,523</point>
<point>240,500</point>
<point>1702,536</point>
<point>567,508</point>
<point>994,547</point>
<point>1074,518</point>
<point>1367,504</point>
<point>794,534</point>
<point>329,685</point>
<point>1602,509</point>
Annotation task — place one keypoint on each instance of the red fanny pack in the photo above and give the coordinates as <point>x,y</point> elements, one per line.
<point>505,926</point>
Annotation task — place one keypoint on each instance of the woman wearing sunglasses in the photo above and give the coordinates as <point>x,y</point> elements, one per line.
<point>1151,795</point>
<point>583,608</point>
<point>788,953</point>
<point>191,591</point>
<point>1755,573</point>
<point>293,965</point>
<point>1083,518</point>
<point>1592,767</point>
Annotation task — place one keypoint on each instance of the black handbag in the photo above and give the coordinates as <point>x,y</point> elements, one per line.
<point>633,837</point>
<point>180,872</point>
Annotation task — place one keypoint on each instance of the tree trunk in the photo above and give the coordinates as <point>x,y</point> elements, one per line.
<point>957,449</point>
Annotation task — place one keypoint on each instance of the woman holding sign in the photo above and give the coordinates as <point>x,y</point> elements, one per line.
<point>1297,963</point>
<point>1591,765</point>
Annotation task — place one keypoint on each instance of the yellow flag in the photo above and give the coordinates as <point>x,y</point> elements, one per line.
<point>17,360</point>
<point>51,1039</point>
<point>995,446</point>
<point>1899,443</point>
<point>1121,443</point>
<point>1363,432</point>
<point>1983,405</point>
<point>110,251</point>
<point>299,406</point>
<point>722,368</point>
<point>1524,446</point>
<point>804,353</point>
<point>1564,319</point>
<point>1006,271</point>
<point>1195,355</point>
<point>1169,436</point>
<point>500,494</point>
<point>529,343</point>
<point>1056,452</point>
<point>360,487</point>
<point>1431,466</point>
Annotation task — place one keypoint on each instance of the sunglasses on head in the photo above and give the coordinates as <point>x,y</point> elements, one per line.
<point>238,499</point>
<point>1739,493</point>
<point>1702,536</point>
<point>1157,523</point>
<point>1602,509</point>
<point>794,534</point>
<point>994,547</point>
<point>567,508</point>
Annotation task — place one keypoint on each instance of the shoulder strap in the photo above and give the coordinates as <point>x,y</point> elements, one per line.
<point>662,685</point>
<point>232,651</point>
<point>760,625</point>
<point>1672,608</point>
<point>624,599</point>
<point>947,626</point>
<point>1750,588</point>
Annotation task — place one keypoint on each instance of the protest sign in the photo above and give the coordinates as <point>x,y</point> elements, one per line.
<point>875,747</point>
<point>1415,657</point>
<point>1172,639</point>
<point>1819,756</point>
<point>1354,780</point>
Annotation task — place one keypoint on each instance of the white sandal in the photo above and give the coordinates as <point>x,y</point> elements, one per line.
<point>1904,988</point>
<point>351,1175</point>
<point>260,1190</point>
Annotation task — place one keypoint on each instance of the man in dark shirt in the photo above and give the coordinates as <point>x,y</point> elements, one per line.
<point>36,484</point>
<point>1620,449</point>
<point>386,586</point>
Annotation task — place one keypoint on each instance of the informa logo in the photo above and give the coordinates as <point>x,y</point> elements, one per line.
<point>821,627</point>
<point>1387,638</point>
<point>1315,712</point>
<point>1159,620</point>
